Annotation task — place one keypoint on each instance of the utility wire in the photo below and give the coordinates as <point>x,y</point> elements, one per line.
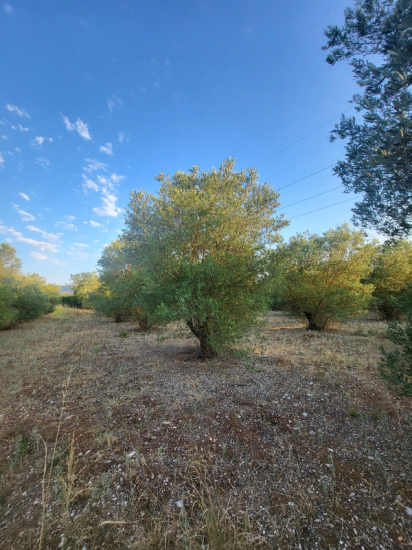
<point>304,137</point>
<point>308,176</point>
<point>313,196</point>
<point>323,208</point>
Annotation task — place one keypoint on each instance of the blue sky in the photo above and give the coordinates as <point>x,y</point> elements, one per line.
<point>97,97</point>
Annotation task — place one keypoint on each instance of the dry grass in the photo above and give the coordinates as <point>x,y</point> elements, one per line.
<point>297,446</point>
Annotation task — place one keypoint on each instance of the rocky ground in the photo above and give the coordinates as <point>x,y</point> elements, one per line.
<point>112,438</point>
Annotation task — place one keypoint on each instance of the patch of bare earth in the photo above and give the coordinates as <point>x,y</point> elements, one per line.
<point>111,442</point>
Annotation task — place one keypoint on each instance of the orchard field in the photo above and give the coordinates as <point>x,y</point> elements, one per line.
<point>115,438</point>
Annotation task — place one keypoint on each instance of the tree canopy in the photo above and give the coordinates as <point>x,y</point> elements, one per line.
<point>323,275</point>
<point>201,248</point>
<point>377,39</point>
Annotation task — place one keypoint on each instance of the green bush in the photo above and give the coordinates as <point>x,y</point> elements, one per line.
<point>32,302</point>
<point>396,366</point>
<point>70,300</point>
<point>8,313</point>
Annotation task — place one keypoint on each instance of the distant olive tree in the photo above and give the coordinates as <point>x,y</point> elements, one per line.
<point>392,278</point>
<point>323,275</point>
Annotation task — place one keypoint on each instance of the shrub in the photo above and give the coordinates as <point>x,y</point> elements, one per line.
<point>70,300</point>
<point>396,366</point>
<point>8,313</point>
<point>32,302</point>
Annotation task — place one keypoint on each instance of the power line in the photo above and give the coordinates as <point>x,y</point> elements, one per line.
<point>304,137</point>
<point>313,196</point>
<point>308,176</point>
<point>323,208</point>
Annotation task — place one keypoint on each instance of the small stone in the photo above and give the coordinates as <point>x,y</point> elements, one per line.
<point>305,414</point>
<point>408,511</point>
<point>130,455</point>
<point>179,504</point>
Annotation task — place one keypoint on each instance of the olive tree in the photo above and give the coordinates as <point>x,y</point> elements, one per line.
<point>200,245</point>
<point>323,275</point>
<point>392,277</point>
<point>376,39</point>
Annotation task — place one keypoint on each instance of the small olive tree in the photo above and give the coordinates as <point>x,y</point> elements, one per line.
<point>323,275</point>
<point>83,285</point>
<point>200,246</point>
<point>392,277</point>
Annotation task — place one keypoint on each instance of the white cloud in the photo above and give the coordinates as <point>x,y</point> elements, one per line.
<point>116,178</point>
<point>38,141</point>
<point>89,184</point>
<point>108,149</point>
<point>108,207</point>
<point>94,165</point>
<point>25,216</point>
<point>81,127</point>
<point>113,102</point>
<point>120,137</point>
<point>70,218</point>
<point>8,9</point>
<point>38,255</point>
<point>44,163</point>
<point>20,112</point>
<point>67,226</point>
<point>4,137</point>
<point>58,262</point>
<point>94,224</point>
<point>25,197</point>
<point>78,254</point>
<point>44,234</point>
<point>50,247</point>
<point>23,128</point>
<point>17,149</point>
<point>1,160</point>
<point>81,245</point>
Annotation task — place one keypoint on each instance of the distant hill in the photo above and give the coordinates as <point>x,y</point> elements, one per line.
<point>65,290</point>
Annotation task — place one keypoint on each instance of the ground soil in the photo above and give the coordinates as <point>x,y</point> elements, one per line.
<point>114,438</point>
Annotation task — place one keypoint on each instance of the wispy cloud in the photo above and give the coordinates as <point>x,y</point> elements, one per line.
<point>108,149</point>
<point>89,184</point>
<point>25,216</point>
<point>67,226</point>
<point>81,127</point>
<point>81,245</point>
<point>78,254</point>
<point>108,207</point>
<point>49,236</point>
<point>1,160</point>
<point>38,255</point>
<point>113,102</point>
<point>94,224</point>
<point>120,137</point>
<point>70,218</point>
<point>4,137</point>
<point>38,141</point>
<point>23,128</point>
<point>8,9</point>
<point>17,236</point>
<point>94,165</point>
<point>44,163</point>
<point>25,197</point>
<point>16,110</point>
